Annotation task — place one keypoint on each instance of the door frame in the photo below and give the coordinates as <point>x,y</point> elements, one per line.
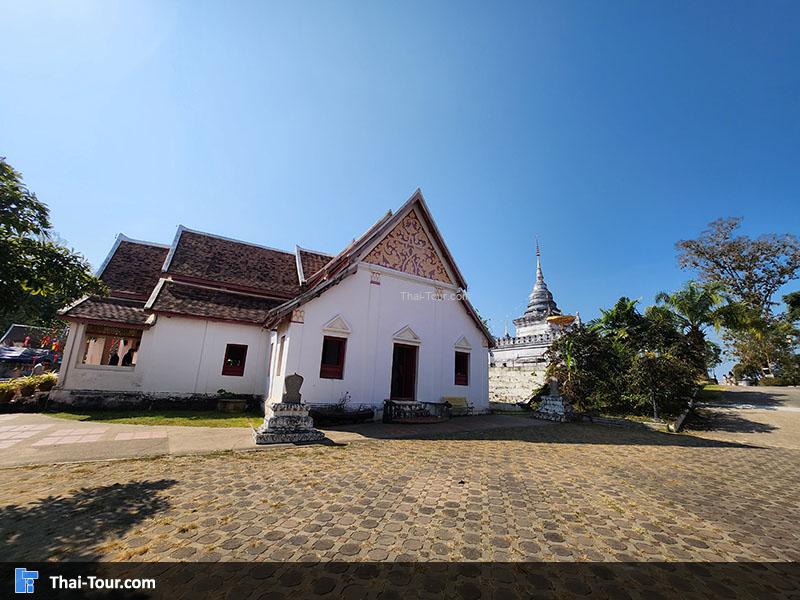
<point>415,348</point>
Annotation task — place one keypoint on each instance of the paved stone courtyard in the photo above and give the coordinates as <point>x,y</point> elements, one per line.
<point>565,492</point>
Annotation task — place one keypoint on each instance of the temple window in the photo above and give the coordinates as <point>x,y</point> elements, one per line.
<point>235,356</point>
<point>462,368</point>
<point>111,346</point>
<point>332,362</point>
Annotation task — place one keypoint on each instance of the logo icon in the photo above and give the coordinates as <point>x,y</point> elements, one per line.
<point>23,580</point>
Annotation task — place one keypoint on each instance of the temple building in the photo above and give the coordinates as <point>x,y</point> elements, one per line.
<point>387,318</point>
<point>518,363</point>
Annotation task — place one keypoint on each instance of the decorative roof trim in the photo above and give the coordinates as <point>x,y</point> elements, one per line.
<point>121,237</point>
<point>279,312</point>
<point>477,319</point>
<point>447,263</point>
<point>462,343</point>
<point>301,276</point>
<point>69,307</point>
<point>407,335</point>
<point>357,249</point>
<point>337,324</point>
<point>156,291</point>
<point>408,276</point>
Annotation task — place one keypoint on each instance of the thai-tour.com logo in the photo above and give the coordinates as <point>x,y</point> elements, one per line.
<point>24,582</point>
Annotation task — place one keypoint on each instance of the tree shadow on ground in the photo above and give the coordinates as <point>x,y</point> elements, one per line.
<point>524,429</point>
<point>704,419</point>
<point>72,526</point>
<point>766,398</point>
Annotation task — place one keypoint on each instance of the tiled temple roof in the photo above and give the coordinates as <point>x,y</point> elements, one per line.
<point>175,298</point>
<point>209,259</point>
<point>132,268</point>
<point>107,310</point>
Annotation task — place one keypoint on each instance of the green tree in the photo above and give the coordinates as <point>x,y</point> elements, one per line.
<point>626,362</point>
<point>792,302</point>
<point>751,270</point>
<point>37,274</point>
<point>664,381</point>
<point>693,309</point>
<point>590,368</point>
<point>622,322</point>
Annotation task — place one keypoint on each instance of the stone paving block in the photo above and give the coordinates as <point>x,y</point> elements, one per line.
<point>567,492</point>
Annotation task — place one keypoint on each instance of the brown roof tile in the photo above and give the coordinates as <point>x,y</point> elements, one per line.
<point>312,261</point>
<point>208,258</point>
<point>194,301</point>
<point>116,310</point>
<point>134,268</point>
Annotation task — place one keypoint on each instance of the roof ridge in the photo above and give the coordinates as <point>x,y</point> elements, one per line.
<point>299,247</point>
<point>125,238</point>
<point>183,228</point>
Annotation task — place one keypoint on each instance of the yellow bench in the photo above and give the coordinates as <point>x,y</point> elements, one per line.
<point>459,405</point>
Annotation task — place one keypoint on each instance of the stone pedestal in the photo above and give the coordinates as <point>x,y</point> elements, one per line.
<point>554,408</point>
<point>287,423</point>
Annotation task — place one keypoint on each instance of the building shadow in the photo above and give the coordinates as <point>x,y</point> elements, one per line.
<point>525,429</point>
<point>73,526</point>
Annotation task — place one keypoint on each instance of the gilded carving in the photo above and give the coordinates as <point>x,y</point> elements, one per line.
<point>407,248</point>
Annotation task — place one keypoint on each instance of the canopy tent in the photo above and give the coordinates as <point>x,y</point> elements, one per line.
<point>26,355</point>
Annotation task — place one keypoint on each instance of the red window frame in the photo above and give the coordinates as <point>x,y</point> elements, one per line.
<point>234,370</point>
<point>460,378</point>
<point>329,370</point>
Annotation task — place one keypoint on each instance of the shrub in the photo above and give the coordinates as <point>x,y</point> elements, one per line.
<point>8,390</point>
<point>663,381</point>
<point>47,381</point>
<point>26,385</point>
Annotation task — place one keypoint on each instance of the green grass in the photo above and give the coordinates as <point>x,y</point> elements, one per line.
<point>182,418</point>
<point>710,392</point>
<point>713,387</point>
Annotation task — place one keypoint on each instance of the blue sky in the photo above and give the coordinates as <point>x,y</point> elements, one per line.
<point>607,129</point>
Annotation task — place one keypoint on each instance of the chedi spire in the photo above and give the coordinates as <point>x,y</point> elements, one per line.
<point>540,302</point>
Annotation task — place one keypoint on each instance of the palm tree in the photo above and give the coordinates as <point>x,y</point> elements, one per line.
<point>693,309</point>
<point>621,321</point>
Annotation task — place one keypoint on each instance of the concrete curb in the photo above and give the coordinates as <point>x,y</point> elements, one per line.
<point>678,424</point>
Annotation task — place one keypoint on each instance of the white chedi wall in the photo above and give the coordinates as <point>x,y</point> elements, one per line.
<point>515,384</point>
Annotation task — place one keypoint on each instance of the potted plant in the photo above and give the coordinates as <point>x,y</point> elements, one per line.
<point>26,386</point>
<point>7,391</point>
<point>47,381</point>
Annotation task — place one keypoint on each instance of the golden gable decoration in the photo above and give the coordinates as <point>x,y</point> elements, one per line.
<point>407,248</point>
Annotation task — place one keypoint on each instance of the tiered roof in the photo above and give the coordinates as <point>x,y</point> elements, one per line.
<point>207,276</point>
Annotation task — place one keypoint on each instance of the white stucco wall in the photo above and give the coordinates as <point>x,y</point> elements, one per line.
<point>375,313</point>
<point>76,376</point>
<point>177,355</point>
